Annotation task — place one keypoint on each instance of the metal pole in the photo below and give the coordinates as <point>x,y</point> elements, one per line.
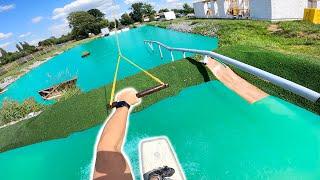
<point>274,79</point>
<point>151,46</point>
<point>161,55</point>
<point>172,58</point>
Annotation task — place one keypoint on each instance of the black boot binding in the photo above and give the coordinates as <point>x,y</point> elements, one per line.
<point>160,173</point>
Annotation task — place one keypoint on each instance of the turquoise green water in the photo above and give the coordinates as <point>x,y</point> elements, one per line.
<point>223,137</point>
<point>98,69</point>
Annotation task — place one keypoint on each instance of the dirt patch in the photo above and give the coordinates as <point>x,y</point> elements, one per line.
<point>273,28</point>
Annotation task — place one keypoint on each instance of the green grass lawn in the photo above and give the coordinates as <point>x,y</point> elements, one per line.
<point>89,109</point>
<point>291,51</point>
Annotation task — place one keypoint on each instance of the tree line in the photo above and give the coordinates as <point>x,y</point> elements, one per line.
<point>84,22</point>
<point>23,49</point>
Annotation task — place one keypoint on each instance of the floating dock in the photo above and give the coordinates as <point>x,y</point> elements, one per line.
<point>57,91</point>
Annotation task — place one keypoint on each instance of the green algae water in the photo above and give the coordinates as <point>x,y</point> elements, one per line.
<point>216,134</point>
<point>97,69</point>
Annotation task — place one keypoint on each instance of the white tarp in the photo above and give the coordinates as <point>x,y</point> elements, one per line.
<point>169,15</point>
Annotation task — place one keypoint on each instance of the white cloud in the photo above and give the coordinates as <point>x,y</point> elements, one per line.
<point>171,1</point>
<point>5,45</point>
<point>106,6</point>
<point>7,7</point>
<point>34,42</point>
<point>25,35</point>
<point>172,4</point>
<point>133,1</point>
<point>37,19</point>
<point>5,36</point>
<point>58,30</point>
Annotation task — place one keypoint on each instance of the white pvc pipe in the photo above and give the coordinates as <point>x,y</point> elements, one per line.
<point>172,57</point>
<point>161,55</point>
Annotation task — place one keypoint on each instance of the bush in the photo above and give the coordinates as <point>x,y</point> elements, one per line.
<point>13,111</point>
<point>70,93</point>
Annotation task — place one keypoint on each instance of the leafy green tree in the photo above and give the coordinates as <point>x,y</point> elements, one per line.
<point>3,52</point>
<point>141,9</point>
<point>27,47</point>
<point>99,16</point>
<point>126,19</point>
<point>113,23</point>
<point>19,48</point>
<point>137,12</point>
<point>82,23</point>
<point>103,23</point>
<point>96,13</point>
<point>147,9</point>
<point>178,11</point>
<point>163,10</point>
<point>187,8</point>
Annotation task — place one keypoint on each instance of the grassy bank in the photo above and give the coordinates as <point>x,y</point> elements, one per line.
<point>89,109</point>
<point>287,49</point>
<point>16,70</point>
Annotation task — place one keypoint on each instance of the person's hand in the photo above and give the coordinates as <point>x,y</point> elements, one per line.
<point>128,95</point>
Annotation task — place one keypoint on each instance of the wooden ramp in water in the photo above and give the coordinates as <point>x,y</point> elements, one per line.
<point>230,79</point>
<point>57,91</point>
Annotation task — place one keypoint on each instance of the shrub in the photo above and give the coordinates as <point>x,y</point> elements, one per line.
<point>70,93</point>
<point>13,111</point>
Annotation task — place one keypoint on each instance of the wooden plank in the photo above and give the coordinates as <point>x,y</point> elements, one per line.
<point>56,90</point>
<point>158,152</point>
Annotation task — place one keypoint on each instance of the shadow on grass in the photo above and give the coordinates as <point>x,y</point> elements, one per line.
<point>201,68</point>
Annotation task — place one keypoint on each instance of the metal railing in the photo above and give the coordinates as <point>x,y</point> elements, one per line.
<point>274,79</point>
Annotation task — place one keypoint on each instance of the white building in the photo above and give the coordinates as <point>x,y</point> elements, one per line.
<point>314,4</point>
<point>221,8</point>
<point>105,31</point>
<point>276,10</point>
<point>169,15</point>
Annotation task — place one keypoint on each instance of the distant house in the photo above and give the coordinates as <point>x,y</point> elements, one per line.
<point>105,31</point>
<point>146,19</point>
<point>221,8</point>
<point>275,10</point>
<point>169,15</point>
<point>191,15</point>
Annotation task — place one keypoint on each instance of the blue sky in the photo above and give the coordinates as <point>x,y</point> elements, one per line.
<point>35,20</point>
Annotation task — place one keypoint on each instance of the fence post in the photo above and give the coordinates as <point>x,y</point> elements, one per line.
<point>161,55</point>
<point>172,56</point>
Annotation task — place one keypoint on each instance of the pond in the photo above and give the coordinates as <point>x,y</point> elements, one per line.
<point>216,134</point>
<point>98,69</point>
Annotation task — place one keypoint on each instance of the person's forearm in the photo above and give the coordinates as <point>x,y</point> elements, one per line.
<point>114,131</point>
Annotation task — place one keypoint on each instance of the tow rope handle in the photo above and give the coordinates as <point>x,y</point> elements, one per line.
<point>152,90</point>
<point>146,92</point>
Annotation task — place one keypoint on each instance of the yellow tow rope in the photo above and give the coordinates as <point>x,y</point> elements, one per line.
<point>120,56</point>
